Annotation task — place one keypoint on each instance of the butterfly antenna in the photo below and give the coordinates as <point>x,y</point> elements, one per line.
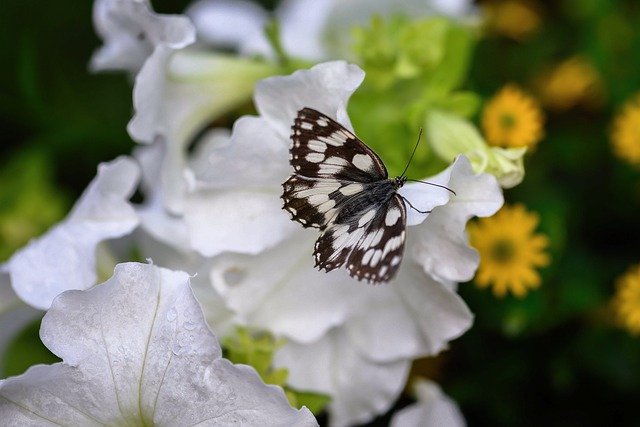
<point>414,152</point>
<point>435,185</point>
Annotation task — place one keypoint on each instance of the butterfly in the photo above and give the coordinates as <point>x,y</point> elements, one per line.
<point>341,187</point>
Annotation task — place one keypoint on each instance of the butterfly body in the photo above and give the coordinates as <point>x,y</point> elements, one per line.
<point>341,187</point>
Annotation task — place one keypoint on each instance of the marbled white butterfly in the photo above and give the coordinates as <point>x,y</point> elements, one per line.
<point>341,187</point>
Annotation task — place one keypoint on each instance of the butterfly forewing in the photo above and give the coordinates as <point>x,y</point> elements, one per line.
<point>323,148</point>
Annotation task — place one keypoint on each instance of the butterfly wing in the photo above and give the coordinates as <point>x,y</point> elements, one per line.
<point>330,166</point>
<point>371,244</point>
<point>324,149</point>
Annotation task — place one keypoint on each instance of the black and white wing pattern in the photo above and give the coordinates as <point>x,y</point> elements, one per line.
<point>341,187</point>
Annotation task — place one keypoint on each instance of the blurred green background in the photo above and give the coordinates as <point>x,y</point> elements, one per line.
<point>555,357</point>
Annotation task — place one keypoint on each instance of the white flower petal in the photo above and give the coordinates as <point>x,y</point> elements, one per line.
<point>131,31</point>
<point>433,409</point>
<point>239,160</point>
<point>237,24</point>
<point>155,219</point>
<point>236,206</point>
<point>359,388</point>
<point>325,87</point>
<point>236,220</point>
<point>416,316</point>
<point>64,258</point>
<point>442,246</point>
<point>137,348</point>
<point>279,290</point>
<point>425,197</point>
<point>302,26</point>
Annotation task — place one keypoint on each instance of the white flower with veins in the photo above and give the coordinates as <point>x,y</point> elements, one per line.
<point>355,336</point>
<point>136,350</point>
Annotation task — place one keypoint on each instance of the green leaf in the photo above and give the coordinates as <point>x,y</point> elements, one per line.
<point>315,402</point>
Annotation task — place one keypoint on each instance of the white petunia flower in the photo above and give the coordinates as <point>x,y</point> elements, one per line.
<point>131,31</point>
<point>65,257</point>
<point>136,350</point>
<point>353,334</point>
<point>433,409</point>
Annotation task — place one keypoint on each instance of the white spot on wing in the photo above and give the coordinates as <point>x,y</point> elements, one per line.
<point>350,189</point>
<point>366,217</point>
<point>376,257</point>
<point>314,157</point>
<point>367,256</point>
<point>317,199</point>
<point>306,126</point>
<point>317,145</point>
<point>392,217</point>
<point>362,162</point>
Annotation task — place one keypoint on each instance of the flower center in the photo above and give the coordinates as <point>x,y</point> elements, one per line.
<point>507,121</point>
<point>503,251</point>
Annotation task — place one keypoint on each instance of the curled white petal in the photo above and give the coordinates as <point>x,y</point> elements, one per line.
<point>131,31</point>
<point>65,257</point>
<point>137,348</point>
<point>237,24</point>
<point>325,87</point>
<point>442,246</point>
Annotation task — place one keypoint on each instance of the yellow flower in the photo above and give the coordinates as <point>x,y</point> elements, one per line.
<point>570,83</point>
<point>626,302</point>
<point>512,119</point>
<point>626,132</point>
<point>516,19</point>
<point>509,251</point>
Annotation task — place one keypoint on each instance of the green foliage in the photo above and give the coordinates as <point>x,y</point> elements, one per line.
<point>29,200</point>
<point>25,350</point>
<point>412,67</point>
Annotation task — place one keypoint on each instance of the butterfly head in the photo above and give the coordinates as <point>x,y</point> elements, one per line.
<point>399,182</point>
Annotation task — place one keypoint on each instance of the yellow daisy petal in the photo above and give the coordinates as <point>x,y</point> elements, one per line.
<point>509,250</point>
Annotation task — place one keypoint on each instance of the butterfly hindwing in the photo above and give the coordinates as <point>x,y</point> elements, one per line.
<point>377,256</point>
<point>323,148</point>
<point>371,244</point>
